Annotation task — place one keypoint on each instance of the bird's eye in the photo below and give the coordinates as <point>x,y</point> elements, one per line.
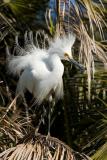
<point>66,55</point>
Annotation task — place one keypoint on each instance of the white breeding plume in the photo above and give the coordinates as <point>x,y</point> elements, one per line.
<point>40,70</point>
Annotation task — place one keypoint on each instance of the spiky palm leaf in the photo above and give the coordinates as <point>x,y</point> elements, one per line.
<point>41,148</point>
<point>12,126</point>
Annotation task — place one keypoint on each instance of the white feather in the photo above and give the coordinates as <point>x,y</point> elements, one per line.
<point>19,63</point>
<point>42,69</point>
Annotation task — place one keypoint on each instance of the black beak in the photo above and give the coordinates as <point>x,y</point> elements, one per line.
<point>78,65</point>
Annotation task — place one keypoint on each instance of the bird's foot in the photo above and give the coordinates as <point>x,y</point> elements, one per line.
<point>48,135</point>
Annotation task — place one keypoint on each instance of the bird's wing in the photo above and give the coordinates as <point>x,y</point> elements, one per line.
<point>43,89</point>
<point>46,87</point>
<point>35,72</point>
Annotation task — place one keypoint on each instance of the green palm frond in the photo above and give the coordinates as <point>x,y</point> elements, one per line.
<point>100,136</point>
<point>101,153</point>
<point>24,6</point>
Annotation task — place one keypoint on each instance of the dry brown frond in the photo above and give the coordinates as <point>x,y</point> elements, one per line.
<point>10,132</point>
<point>89,50</point>
<point>42,148</point>
<point>12,127</point>
<point>83,18</point>
<point>95,15</point>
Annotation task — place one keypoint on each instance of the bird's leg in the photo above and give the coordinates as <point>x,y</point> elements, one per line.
<point>49,118</point>
<point>26,109</point>
<point>41,120</point>
<point>51,104</point>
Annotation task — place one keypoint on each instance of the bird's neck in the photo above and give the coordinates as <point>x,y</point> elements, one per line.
<point>56,64</point>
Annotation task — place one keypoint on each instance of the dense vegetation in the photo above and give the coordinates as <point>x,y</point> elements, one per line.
<point>80,119</point>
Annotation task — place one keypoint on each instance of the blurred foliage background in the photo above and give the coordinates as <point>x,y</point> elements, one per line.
<point>81,123</point>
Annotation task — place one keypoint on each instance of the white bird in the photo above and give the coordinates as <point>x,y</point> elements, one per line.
<point>40,70</point>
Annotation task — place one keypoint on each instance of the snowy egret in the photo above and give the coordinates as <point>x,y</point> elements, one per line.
<point>40,70</point>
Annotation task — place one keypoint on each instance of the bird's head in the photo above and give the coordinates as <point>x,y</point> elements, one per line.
<point>62,46</point>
